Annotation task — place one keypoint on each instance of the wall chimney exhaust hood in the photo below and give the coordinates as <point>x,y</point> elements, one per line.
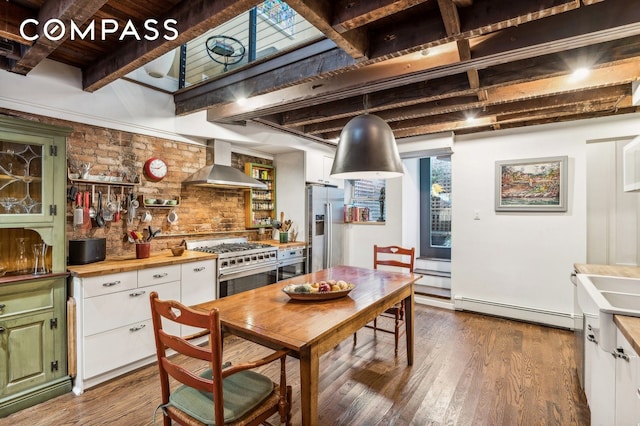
<point>220,174</point>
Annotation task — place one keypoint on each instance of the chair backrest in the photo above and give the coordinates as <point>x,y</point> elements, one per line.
<point>393,256</point>
<point>171,310</point>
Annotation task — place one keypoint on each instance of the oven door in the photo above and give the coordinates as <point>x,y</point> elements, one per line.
<point>290,268</point>
<point>244,279</point>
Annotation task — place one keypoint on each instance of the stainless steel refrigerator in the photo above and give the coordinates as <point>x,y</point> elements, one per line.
<point>325,221</point>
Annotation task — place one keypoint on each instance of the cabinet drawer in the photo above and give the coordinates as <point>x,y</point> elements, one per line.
<point>159,275</point>
<point>25,298</point>
<point>115,310</point>
<point>116,348</point>
<point>197,272</point>
<point>112,283</point>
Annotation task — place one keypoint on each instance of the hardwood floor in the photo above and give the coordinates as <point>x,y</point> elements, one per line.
<point>469,370</point>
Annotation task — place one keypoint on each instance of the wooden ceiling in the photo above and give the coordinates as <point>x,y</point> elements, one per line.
<point>424,66</point>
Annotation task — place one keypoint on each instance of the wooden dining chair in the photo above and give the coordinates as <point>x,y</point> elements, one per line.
<point>231,396</point>
<point>392,256</point>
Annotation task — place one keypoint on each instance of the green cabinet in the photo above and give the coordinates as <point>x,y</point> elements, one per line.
<point>32,337</point>
<point>33,317</point>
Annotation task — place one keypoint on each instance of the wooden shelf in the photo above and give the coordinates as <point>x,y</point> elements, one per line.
<point>98,182</point>
<point>146,203</point>
<point>260,212</point>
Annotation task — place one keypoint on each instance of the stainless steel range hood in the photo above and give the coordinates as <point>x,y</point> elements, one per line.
<point>220,174</point>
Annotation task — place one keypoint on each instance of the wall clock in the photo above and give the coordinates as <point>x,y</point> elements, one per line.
<point>155,169</point>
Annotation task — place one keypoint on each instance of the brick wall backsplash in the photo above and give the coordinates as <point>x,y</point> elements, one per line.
<point>203,212</point>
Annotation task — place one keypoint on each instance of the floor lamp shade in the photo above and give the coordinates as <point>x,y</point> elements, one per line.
<point>367,150</point>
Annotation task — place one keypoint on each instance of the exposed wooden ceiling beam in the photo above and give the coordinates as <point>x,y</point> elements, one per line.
<point>312,61</point>
<point>11,15</point>
<point>535,95</point>
<point>531,42</point>
<point>319,14</point>
<point>193,17</point>
<point>78,11</point>
<point>461,125</point>
<point>482,17</point>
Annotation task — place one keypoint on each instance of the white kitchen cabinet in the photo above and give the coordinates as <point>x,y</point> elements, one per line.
<point>196,278</point>
<point>114,329</point>
<point>627,389</point>
<point>599,380</point>
<point>318,169</point>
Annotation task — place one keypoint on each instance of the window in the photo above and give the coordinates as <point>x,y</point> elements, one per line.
<point>435,207</point>
<point>367,201</point>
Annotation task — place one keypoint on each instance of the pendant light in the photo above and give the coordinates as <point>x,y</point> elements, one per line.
<point>367,150</point>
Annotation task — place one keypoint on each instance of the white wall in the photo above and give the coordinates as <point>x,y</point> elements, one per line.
<point>518,264</point>
<point>290,190</point>
<point>613,216</point>
<point>360,238</point>
<point>411,204</point>
<point>513,264</point>
<point>55,90</point>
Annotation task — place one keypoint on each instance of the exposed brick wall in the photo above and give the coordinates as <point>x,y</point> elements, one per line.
<point>203,212</point>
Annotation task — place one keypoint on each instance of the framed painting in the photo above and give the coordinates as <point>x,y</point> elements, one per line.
<point>532,185</point>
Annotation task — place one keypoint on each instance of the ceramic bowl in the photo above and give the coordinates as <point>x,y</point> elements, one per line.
<point>177,250</point>
<point>150,201</point>
<point>172,202</point>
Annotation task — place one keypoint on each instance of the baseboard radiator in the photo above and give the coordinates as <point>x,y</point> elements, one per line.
<point>523,313</point>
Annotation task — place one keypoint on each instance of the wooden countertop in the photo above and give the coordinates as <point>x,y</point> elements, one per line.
<point>629,326</point>
<point>280,245</point>
<point>611,270</point>
<point>130,263</point>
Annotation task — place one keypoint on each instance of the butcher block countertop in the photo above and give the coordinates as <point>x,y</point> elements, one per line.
<point>129,263</point>
<point>629,326</point>
<point>611,270</point>
<point>280,245</point>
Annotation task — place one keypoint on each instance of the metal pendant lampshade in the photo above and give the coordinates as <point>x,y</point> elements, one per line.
<point>367,150</point>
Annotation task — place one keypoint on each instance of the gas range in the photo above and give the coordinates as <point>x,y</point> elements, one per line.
<point>242,265</point>
<point>236,254</point>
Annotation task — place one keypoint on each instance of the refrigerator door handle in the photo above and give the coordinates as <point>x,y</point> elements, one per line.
<point>329,235</point>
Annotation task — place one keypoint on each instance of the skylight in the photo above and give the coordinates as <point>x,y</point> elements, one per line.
<point>269,29</point>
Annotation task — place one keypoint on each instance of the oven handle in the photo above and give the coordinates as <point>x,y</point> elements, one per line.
<point>291,261</point>
<point>244,272</point>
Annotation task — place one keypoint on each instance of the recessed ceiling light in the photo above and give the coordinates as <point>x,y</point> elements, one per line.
<point>241,101</point>
<point>580,73</point>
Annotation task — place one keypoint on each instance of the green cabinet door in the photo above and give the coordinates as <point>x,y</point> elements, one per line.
<point>26,351</point>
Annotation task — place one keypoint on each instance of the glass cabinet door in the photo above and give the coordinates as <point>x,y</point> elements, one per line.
<point>24,169</point>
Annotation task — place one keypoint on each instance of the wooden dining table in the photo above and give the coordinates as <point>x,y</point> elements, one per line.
<point>309,328</point>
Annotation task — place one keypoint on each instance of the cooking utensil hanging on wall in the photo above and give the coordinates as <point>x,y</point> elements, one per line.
<point>78,213</point>
<point>99,218</point>
<point>110,207</point>
<point>92,209</point>
<point>72,192</point>
<point>86,218</point>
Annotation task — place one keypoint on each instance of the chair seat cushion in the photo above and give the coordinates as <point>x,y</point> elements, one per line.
<point>242,392</point>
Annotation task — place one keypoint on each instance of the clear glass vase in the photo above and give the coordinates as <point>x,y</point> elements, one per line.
<point>40,259</point>
<point>21,263</point>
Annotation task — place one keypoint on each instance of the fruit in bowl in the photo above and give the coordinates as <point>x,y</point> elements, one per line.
<point>330,289</point>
